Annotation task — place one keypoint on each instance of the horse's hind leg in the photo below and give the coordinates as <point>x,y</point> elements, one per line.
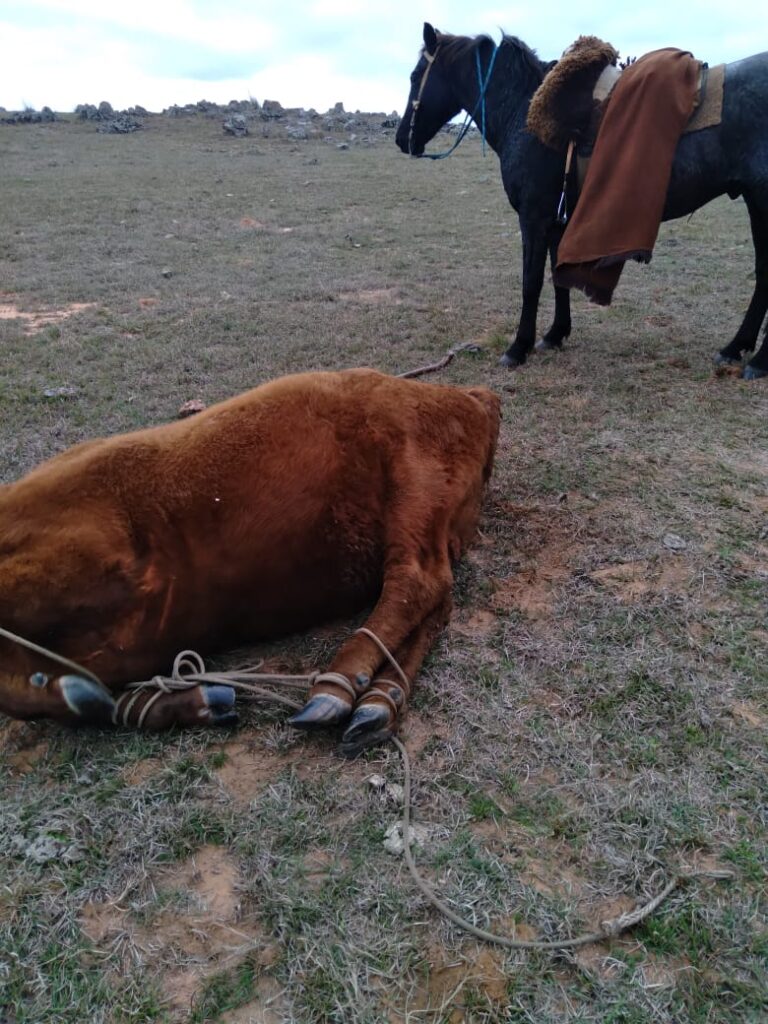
<point>758,366</point>
<point>745,338</point>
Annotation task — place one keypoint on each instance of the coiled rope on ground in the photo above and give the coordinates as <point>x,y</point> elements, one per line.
<point>189,670</point>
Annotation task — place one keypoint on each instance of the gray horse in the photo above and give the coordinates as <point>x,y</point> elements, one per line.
<point>731,158</point>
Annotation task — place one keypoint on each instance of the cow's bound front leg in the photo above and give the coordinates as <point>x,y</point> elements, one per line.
<point>534,261</point>
<point>380,710</point>
<point>410,594</point>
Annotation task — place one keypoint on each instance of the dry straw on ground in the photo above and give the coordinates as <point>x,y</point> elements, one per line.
<point>593,719</point>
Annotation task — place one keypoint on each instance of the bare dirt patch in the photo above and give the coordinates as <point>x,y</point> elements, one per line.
<point>23,761</point>
<point>269,1007</point>
<point>478,623</point>
<point>186,943</point>
<point>139,772</point>
<point>442,994</point>
<point>251,224</point>
<point>748,712</point>
<point>22,744</point>
<point>630,581</point>
<point>211,875</point>
<point>248,770</point>
<point>418,730</point>
<point>34,322</point>
<point>373,296</point>
<point>549,552</point>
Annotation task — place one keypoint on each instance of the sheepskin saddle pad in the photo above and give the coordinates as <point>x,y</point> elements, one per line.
<point>569,103</point>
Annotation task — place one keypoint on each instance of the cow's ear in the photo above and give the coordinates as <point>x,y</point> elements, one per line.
<point>430,38</point>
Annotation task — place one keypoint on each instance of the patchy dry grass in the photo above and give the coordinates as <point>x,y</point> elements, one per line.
<point>594,718</point>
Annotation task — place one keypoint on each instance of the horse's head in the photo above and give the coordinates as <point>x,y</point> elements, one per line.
<point>431,101</point>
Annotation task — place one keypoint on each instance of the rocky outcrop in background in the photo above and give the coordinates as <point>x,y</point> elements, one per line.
<point>27,116</point>
<point>238,118</point>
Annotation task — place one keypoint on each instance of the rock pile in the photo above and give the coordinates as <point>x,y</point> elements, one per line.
<point>111,121</point>
<point>28,116</point>
<point>272,120</point>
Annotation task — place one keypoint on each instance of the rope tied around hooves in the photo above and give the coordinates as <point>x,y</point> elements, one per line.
<point>189,670</point>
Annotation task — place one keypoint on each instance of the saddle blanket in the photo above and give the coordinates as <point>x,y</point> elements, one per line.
<point>621,204</point>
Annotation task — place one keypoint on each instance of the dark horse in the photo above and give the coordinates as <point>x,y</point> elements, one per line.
<point>730,158</point>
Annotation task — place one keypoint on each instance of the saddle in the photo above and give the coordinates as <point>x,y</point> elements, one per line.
<point>633,115</point>
<point>570,103</point>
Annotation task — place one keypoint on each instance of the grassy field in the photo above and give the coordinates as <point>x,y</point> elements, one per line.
<point>593,720</point>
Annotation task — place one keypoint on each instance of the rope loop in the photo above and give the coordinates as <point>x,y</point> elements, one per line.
<point>187,662</point>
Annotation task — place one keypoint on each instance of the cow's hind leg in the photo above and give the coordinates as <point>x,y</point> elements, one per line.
<point>745,338</point>
<point>207,704</point>
<point>70,699</point>
<point>77,700</point>
<point>380,709</point>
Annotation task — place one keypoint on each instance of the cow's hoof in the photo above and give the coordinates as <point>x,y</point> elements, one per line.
<point>545,345</point>
<point>370,725</point>
<point>90,701</point>
<point>511,362</point>
<point>753,372</point>
<point>218,705</point>
<point>721,360</point>
<point>320,711</point>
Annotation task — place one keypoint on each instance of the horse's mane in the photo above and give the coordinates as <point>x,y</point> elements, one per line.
<point>455,48</point>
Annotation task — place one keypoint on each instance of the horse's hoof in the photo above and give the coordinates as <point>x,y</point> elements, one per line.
<point>218,705</point>
<point>721,360</point>
<point>511,362</point>
<point>90,701</point>
<point>370,725</point>
<point>545,345</point>
<point>320,711</point>
<point>753,372</point>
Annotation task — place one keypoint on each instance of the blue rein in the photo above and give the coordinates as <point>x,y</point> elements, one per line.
<point>482,81</point>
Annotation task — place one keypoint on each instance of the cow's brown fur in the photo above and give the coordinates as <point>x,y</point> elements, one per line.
<point>302,500</point>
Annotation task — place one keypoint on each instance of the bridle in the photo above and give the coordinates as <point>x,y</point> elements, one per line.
<point>415,104</point>
<point>482,81</point>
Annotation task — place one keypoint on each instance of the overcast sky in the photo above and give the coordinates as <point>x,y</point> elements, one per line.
<point>312,53</point>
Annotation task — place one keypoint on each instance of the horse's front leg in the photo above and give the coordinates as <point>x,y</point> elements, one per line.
<point>534,261</point>
<point>561,325</point>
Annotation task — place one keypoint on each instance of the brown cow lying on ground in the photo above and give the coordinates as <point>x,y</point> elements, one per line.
<point>300,501</point>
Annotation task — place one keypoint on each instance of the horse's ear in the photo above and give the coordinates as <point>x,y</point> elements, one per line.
<point>430,38</point>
